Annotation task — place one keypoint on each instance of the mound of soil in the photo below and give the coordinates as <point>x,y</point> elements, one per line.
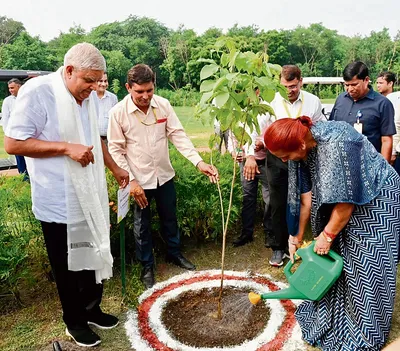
<point>192,318</point>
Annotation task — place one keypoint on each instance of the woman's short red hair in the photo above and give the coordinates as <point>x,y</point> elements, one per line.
<point>287,134</point>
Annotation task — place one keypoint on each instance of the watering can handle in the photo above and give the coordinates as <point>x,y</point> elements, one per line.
<point>331,253</point>
<point>289,265</point>
<point>287,269</point>
<point>335,256</point>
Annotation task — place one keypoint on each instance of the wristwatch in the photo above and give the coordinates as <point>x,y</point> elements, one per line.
<point>329,236</point>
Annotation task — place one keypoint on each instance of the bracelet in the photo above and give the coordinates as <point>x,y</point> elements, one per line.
<point>292,243</point>
<point>329,235</point>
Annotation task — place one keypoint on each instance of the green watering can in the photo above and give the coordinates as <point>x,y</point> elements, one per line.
<point>312,279</point>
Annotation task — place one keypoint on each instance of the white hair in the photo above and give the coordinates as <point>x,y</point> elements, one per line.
<point>85,56</point>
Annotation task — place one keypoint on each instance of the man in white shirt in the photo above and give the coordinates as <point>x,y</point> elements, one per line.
<point>8,103</point>
<point>299,103</point>
<point>140,127</point>
<point>54,124</point>
<point>14,85</point>
<point>106,101</point>
<point>385,84</point>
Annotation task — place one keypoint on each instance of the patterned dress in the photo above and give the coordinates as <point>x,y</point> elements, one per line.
<point>344,167</point>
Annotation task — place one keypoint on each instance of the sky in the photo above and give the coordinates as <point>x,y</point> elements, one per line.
<point>47,18</point>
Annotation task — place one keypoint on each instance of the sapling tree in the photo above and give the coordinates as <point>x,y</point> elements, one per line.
<point>229,85</point>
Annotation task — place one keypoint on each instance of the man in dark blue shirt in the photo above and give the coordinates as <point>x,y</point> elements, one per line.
<point>368,111</point>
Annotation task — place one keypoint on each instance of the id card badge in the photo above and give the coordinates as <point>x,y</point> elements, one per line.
<point>358,127</point>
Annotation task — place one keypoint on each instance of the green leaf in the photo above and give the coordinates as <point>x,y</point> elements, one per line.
<point>241,135</point>
<point>214,141</point>
<point>206,97</point>
<point>274,69</point>
<point>232,59</point>
<point>224,59</point>
<point>207,85</point>
<point>221,82</point>
<point>267,95</point>
<point>223,116</point>
<point>231,76</point>
<point>241,62</point>
<point>264,108</point>
<point>251,95</point>
<point>221,99</point>
<point>263,82</point>
<point>282,90</point>
<point>230,44</point>
<point>208,71</point>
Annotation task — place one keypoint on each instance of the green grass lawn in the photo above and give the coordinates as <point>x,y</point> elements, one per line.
<point>195,129</point>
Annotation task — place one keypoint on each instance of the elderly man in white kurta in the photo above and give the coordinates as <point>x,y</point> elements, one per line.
<point>54,124</point>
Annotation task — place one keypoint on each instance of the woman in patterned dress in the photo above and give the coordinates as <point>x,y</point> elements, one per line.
<point>353,197</point>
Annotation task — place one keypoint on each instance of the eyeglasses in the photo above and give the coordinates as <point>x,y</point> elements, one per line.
<point>292,87</point>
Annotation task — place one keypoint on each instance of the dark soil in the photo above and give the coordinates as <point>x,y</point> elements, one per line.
<point>192,318</point>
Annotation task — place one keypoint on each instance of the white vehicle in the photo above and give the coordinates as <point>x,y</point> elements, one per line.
<point>318,81</point>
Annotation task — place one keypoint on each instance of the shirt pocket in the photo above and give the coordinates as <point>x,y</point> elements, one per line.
<point>161,129</point>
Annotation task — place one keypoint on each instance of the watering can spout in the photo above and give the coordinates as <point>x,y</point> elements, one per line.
<point>289,293</point>
<point>285,294</point>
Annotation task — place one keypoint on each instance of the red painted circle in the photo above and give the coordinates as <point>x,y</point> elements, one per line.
<point>275,344</point>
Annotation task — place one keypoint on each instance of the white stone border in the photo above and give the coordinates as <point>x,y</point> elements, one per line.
<point>276,318</point>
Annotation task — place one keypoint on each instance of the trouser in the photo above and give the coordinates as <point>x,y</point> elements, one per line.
<point>21,166</point>
<point>165,197</point>
<point>250,192</point>
<point>79,294</point>
<point>397,164</point>
<point>224,135</point>
<point>277,175</point>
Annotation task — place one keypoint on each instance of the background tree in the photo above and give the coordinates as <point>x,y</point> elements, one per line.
<point>174,54</point>
<point>26,52</point>
<point>9,30</point>
<point>60,45</point>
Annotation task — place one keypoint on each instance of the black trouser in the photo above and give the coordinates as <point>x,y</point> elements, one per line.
<point>277,175</point>
<point>165,197</point>
<point>250,194</point>
<point>79,294</point>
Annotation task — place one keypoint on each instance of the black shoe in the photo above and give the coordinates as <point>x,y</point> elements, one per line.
<point>84,336</point>
<point>147,277</point>
<point>103,320</point>
<point>242,240</point>
<point>181,261</point>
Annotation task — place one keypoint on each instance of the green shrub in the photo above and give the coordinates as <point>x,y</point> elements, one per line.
<point>180,97</point>
<point>22,253</point>
<point>198,205</point>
